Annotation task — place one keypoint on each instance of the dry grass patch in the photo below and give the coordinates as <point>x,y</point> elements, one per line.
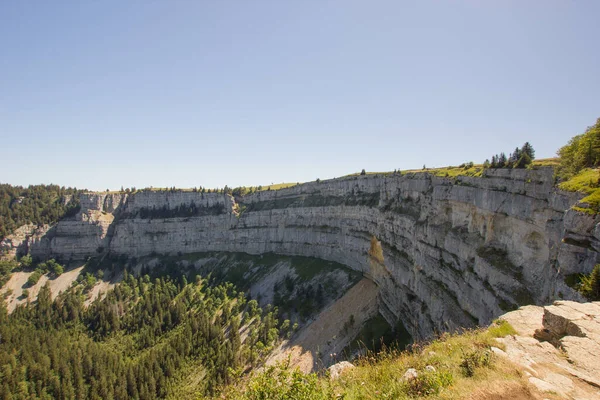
<point>278,186</point>
<point>454,366</point>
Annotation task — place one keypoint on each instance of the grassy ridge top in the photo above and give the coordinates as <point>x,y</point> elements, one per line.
<point>467,169</point>
<point>586,181</point>
<point>454,366</point>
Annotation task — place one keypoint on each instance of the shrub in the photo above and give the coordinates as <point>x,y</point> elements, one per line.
<point>58,270</point>
<point>590,284</point>
<point>53,266</point>
<point>476,359</point>
<point>428,383</point>
<point>34,278</point>
<point>279,383</point>
<point>582,151</point>
<point>26,261</point>
<point>501,328</point>
<point>6,267</point>
<point>89,281</point>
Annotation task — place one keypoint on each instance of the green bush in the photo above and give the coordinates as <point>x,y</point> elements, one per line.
<point>54,267</point>
<point>476,359</point>
<point>280,383</point>
<point>34,278</point>
<point>501,328</point>
<point>26,261</point>
<point>428,383</point>
<point>6,268</point>
<point>590,284</point>
<point>582,151</point>
<point>58,270</point>
<point>89,280</point>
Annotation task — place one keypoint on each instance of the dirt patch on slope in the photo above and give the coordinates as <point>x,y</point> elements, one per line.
<point>18,282</point>
<point>99,290</point>
<point>315,345</point>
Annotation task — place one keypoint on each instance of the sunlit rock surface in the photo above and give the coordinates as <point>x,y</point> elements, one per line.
<point>445,252</point>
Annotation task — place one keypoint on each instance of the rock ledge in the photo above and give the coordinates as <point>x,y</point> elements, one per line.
<point>558,346</point>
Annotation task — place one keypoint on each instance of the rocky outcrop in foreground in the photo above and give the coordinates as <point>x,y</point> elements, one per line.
<point>558,346</point>
<point>445,252</point>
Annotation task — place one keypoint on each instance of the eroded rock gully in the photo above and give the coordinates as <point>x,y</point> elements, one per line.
<point>445,252</point>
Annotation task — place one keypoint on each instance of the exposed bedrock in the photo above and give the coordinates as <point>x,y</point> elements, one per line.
<point>445,252</point>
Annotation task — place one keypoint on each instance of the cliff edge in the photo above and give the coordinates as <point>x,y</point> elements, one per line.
<point>445,252</point>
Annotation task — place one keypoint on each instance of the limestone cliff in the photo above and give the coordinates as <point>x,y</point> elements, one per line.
<point>445,252</point>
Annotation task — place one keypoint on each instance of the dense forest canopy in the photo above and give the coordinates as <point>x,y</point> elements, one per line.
<point>35,204</point>
<point>148,338</point>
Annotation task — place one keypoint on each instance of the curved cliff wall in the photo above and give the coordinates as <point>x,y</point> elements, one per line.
<point>446,252</point>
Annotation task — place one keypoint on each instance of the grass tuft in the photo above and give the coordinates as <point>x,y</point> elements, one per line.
<point>586,181</point>
<point>454,366</point>
<point>501,328</point>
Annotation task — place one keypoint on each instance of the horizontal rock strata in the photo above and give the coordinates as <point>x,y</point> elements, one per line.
<point>445,252</point>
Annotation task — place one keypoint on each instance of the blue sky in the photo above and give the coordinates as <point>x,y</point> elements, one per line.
<point>104,94</point>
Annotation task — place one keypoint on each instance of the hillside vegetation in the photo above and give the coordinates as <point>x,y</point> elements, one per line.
<point>579,168</point>
<point>148,338</point>
<point>450,367</point>
<point>36,204</point>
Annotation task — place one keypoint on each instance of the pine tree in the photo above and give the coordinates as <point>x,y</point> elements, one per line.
<point>591,285</point>
<point>502,160</point>
<point>528,149</point>
<point>595,283</point>
<point>514,158</point>
<point>523,161</point>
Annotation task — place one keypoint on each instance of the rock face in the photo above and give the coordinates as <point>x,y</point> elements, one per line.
<point>23,239</point>
<point>445,252</point>
<point>337,369</point>
<point>565,360</point>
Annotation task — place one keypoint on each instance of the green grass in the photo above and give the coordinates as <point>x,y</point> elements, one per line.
<point>587,182</point>
<point>546,162</point>
<point>278,186</point>
<point>450,172</point>
<point>464,367</point>
<point>453,172</point>
<point>501,328</point>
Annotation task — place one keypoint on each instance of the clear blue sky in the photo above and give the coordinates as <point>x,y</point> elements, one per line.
<point>104,94</point>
